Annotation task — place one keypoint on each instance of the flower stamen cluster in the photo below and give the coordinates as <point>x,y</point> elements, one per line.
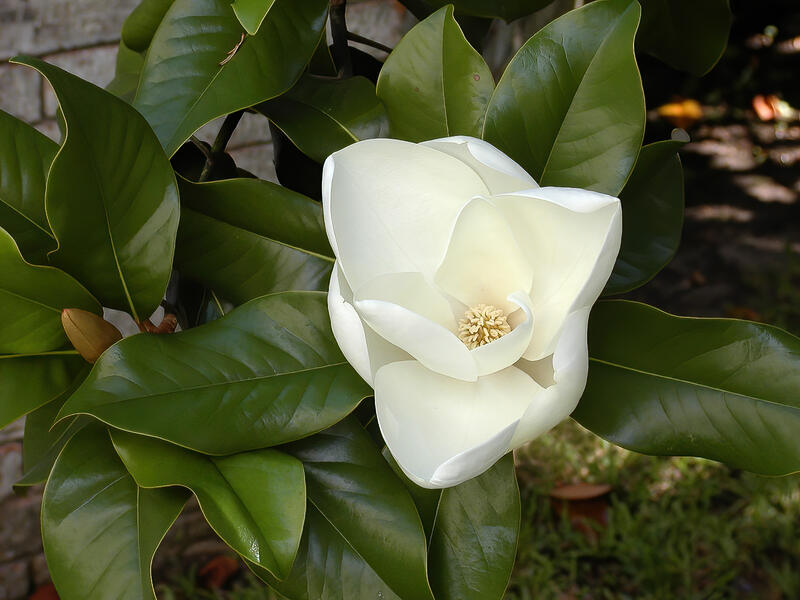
<point>482,324</point>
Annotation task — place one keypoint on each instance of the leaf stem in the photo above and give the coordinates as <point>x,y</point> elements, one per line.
<point>341,50</point>
<point>354,37</point>
<point>201,146</point>
<point>223,137</point>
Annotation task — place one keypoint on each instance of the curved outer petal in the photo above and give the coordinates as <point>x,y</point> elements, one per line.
<point>571,238</point>
<point>346,325</point>
<point>505,351</point>
<point>362,347</point>
<point>443,431</point>
<point>499,172</point>
<point>389,206</point>
<point>570,367</point>
<point>483,263</point>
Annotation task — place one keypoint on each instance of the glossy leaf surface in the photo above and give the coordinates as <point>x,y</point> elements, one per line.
<point>652,216</point>
<point>426,500</point>
<point>100,530</point>
<point>690,36</point>
<point>474,541</point>
<point>31,301</point>
<point>717,388</point>
<point>245,238</point>
<point>359,497</point>
<point>322,115</point>
<point>28,382</point>
<point>44,438</point>
<point>121,246</point>
<point>569,107</point>
<point>327,568</point>
<point>255,501</point>
<point>126,73</point>
<point>435,84</point>
<point>199,66</point>
<point>141,25</point>
<point>251,13</point>
<point>25,158</point>
<point>270,371</point>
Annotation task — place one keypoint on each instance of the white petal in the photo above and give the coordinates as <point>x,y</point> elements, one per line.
<point>125,323</point>
<point>389,206</point>
<point>507,350</point>
<point>442,431</point>
<point>346,325</point>
<point>484,263</point>
<point>499,172</point>
<point>570,367</point>
<point>362,347</point>
<point>571,238</point>
<point>435,346</point>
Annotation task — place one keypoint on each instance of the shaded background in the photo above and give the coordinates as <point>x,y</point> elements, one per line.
<point>598,522</point>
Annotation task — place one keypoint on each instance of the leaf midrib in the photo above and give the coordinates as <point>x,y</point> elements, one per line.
<point>690,383</point>
<point>584,76</point>
<point>30,300</point>
<point>213,385</point>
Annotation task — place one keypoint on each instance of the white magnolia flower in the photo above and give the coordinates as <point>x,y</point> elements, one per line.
<point>461,292</point>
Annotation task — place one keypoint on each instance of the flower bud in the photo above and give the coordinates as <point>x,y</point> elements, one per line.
<point>90,335</point>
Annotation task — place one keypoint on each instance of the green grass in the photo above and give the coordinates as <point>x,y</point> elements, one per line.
<point>678,528</point>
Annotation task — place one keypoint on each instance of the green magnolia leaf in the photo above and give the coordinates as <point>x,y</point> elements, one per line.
<point>322,115</point>
<point>25,157</point>
<point>367,530</point>
<point>30,381</point>
<point>569,107</point>
<point>199,67</point>
<point>652,216</point>
<point>717,388</point>
<point>112,201</point>
<point>474,540</point>
<point>44,438</point>
<point>99,529</point>
<point>508,10</point>
<point>327,568</point>
<point>426,500</point>
<point>266,373</point>
<point>31,301</point>
<point>245,238</point>
<point>321,62</point>
<point>251,13</point>
<point>141,25</point>
<point>126,74</point>
<point>255,501</point>
<point>435,84</point>
<point>690,36</point>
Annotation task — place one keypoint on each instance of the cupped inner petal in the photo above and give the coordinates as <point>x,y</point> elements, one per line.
<point>483,263</point>
<point>499,172</point>
<point>390,205</point>
<point>572,239</point>
<point>435,423</point>
<point>412,315</point>
<point>506,350</point>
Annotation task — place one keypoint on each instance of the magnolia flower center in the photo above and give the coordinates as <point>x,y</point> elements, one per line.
<point>481,324</point>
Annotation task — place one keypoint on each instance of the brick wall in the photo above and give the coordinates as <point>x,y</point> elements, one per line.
<point>81,36</point>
